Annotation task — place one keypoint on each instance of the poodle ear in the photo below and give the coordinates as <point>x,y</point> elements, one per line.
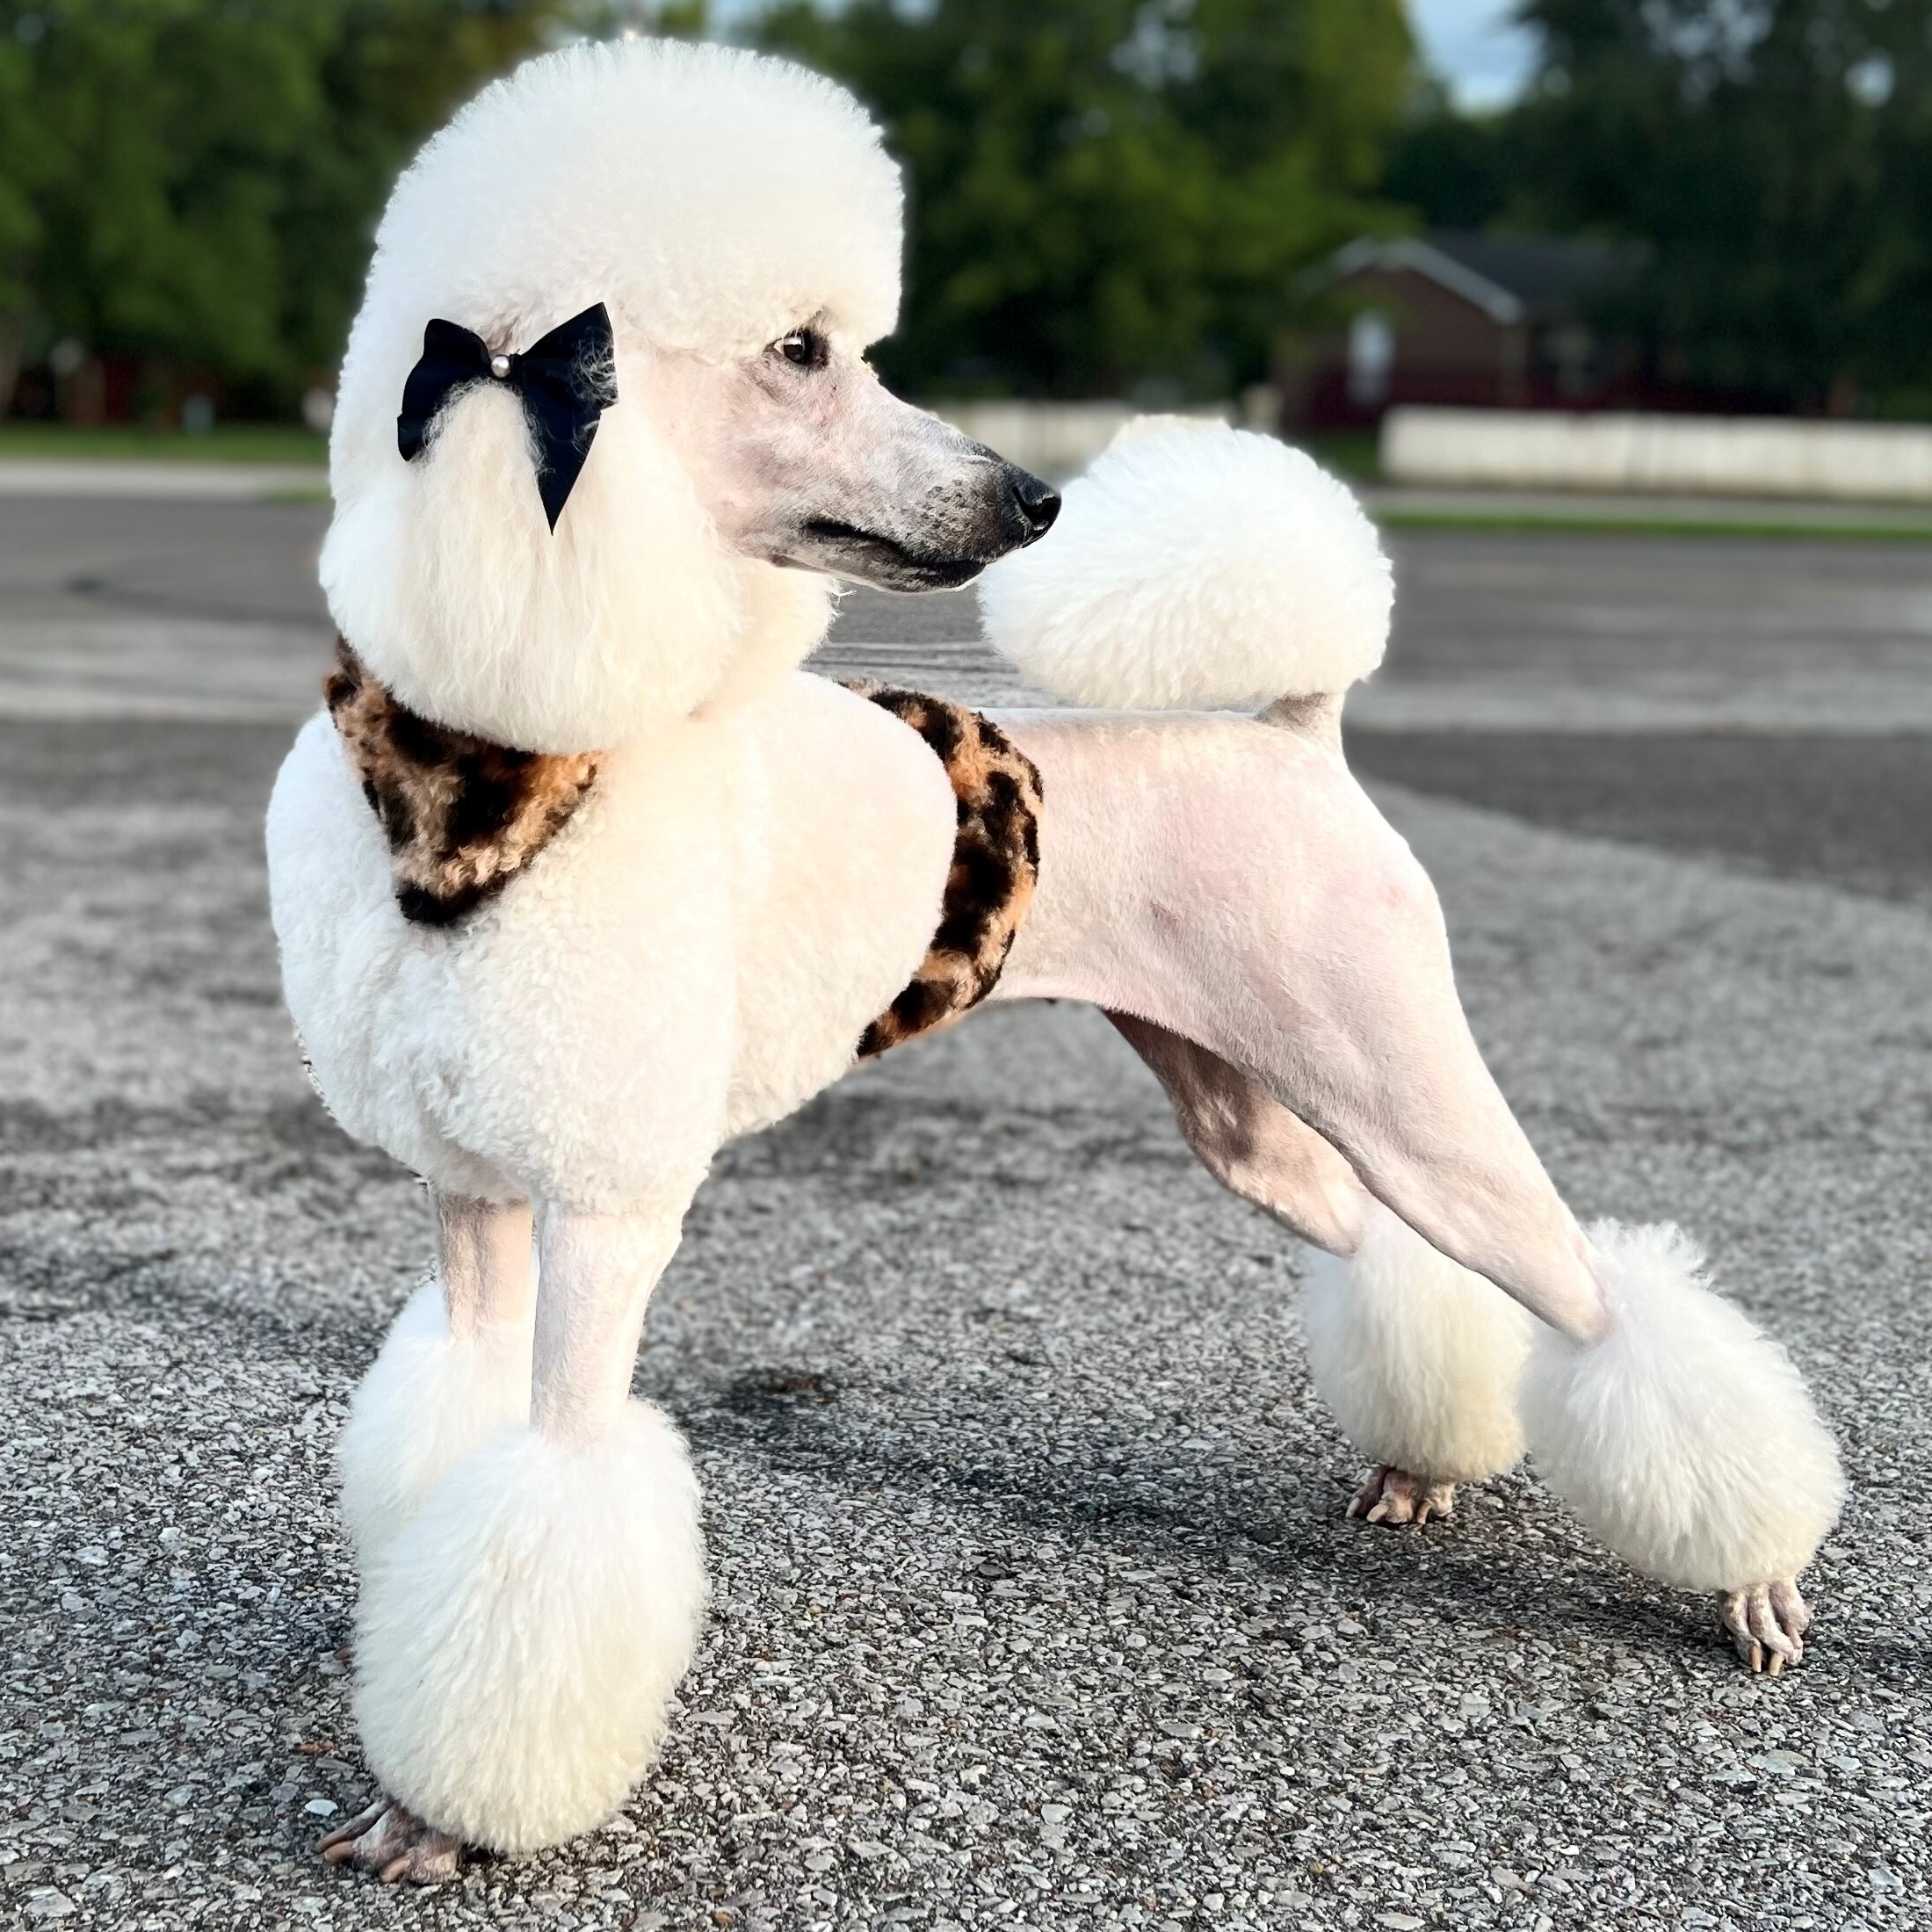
<point>565,381</point>
<point>445,576</point>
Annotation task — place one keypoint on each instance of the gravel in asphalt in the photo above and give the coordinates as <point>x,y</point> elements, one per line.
<point>1035,1601</point>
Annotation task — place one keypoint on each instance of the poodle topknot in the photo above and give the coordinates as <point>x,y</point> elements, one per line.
<point>711,199</point>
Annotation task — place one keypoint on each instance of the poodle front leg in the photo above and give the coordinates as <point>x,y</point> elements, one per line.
<point>1417,1358</point>
<point>516,1643</point>
<point>455,1365</point>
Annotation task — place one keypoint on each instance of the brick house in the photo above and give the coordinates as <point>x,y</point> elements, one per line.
<point>1469,320</point>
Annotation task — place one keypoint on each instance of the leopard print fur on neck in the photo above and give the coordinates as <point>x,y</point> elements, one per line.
<point>462,816</point>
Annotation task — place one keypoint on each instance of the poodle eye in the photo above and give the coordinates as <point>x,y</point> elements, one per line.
<point>803,348</point>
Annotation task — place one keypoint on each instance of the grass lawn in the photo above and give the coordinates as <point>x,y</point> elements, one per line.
<point>225,443</point>
<point>1354,455</point>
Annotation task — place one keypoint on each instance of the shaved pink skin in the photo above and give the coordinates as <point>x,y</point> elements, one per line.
<point>1224,882</point>
<point>1224,891</point>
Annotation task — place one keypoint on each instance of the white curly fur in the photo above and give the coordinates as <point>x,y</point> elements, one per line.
<point>1417,1358</point>
<point>429,1398</point>
<point>1196,565</point>
<point>711,199</point>
<point>516,1644</point>
<point>702,945</point>
<point>1685,1438</point>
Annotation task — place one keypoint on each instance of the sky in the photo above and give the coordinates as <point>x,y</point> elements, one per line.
<point>1473,45</point>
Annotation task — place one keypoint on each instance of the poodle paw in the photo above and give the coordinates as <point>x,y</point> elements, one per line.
<point>1394,1496</point>
<point>394,1844</point>
<point>1767,1625</point>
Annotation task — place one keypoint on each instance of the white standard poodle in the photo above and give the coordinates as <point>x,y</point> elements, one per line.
<point>580,876</point>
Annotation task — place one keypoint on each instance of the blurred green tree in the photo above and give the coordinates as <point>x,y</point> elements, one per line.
<point>1455,170</point>
<point>1777,156</point>
<point>1107,193</point>
<point>194,182</point>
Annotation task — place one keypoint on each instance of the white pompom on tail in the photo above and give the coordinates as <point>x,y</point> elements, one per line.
<point>1196,564</point>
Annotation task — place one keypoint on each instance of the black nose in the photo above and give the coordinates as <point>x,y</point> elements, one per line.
<point>1038,503</point>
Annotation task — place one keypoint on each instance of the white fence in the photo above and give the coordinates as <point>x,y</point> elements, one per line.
<point>1056,440</point>
<point>1745,456</point>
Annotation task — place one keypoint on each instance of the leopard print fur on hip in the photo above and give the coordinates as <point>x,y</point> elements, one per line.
<point>995,864</point>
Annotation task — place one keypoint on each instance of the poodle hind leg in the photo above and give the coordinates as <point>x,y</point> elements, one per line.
<point>1418,1360</point>
<point>517,1641</point>
<point>1668,1421</point>
<point>1674,1427</point>
<point>1686,1439</point>
<point>1415,1358</point>
<point>454,1365</point>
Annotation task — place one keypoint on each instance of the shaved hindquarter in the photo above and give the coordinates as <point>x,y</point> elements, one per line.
<point>1223,884</point>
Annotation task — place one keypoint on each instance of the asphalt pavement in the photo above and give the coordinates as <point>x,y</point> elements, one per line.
<point>1035,1601</point>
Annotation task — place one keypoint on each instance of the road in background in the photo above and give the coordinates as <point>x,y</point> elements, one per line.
<point>1035,1604</point>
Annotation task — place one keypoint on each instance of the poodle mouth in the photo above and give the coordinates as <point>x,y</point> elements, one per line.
<point>845,550</point>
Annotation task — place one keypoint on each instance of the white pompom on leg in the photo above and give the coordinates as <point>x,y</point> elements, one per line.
<point>1686,1439</point>
<point>1417,1359</point>
<point>455,1366</point>
<point>515,1644</point>
<point>429,1398</point>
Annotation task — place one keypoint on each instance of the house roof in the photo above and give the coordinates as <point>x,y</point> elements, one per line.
<point>1512,279</point>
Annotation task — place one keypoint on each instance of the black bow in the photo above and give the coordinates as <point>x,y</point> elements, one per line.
<point>566,381</point>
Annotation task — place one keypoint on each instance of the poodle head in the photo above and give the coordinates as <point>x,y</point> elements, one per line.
<point>740,223</point>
